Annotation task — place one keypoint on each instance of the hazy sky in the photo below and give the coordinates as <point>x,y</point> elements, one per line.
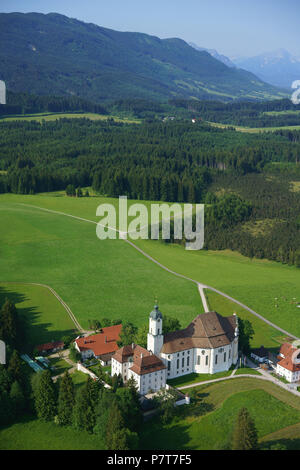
<point>233,27</point>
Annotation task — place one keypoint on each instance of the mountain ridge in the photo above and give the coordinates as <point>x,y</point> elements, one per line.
<point>279,67</point>
<point>54,54</point>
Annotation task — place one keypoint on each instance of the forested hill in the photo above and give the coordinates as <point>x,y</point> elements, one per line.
<point>55,55</point>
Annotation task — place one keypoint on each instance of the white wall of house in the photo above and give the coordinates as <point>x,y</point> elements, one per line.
<point>258,358</point>
<point>153,381</point>
<point>84,354</point>
<point>288,374</point>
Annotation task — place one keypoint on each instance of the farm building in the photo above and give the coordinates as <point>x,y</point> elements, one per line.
<point>52,347</point>
<point>260,354</point>
<point>288,365</point>
<point>101,346</point>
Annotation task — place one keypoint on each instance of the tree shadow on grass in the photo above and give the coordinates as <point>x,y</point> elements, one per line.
<point>33,331</point>
<point>288,444</point>
<point>156,435</point>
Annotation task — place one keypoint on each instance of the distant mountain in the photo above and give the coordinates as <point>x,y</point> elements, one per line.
<point>279,68</point>
<point>52,54</point>
<point>222,58</point>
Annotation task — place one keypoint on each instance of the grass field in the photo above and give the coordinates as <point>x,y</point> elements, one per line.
<point>32,434</point>
<point>264,334</point>
<point>40,117</point>
<point>253,130</point>
<point>246,370</point>
<point>194,378</point>
<point>289,437</point>
<point>45,318</point>
<point>96,278</point>
<point>43,247</point>
<point>208,424</point>
<point>205,425</point>
<point>256,283</point>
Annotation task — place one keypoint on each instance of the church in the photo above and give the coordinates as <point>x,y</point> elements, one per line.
<point>208,345</point>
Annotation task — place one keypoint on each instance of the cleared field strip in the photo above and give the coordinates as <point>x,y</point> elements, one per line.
<point>252,130</point>
<point>61,301</point>
<point>200,286</point>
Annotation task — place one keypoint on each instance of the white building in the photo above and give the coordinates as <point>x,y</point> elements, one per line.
<point>148,371</point>
<point>208,345</point>
<point>260,354</point>
<point>2,92</point>
<point>288,365</point>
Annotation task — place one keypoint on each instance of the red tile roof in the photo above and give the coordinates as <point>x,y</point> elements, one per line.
<point>290,354</point>
<point>101,343</point>
<point>208,330</point>
<point>50,346</point>
<point>143,361</point>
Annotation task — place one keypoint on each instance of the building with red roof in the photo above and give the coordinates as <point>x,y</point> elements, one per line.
<point>101,346</point>
<point>288,365</point>
<point>148,370</point>
<point>208,345</point>
<point>50,347</point>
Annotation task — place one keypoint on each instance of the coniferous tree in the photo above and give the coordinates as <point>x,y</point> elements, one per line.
<point>84,409</point>
<point>45,397</point>
<point>17,397</point>
<point>66,400</point>
<point>15,367</point>
<point>115,437</point>
<point>9,323</point>
<point>244,433</point>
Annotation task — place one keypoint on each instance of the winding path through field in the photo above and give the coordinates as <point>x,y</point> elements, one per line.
<point>260,377</point>
<point>200,286</point>
<point>66,307</point>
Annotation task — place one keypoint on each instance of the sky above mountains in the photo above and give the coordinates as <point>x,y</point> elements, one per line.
<point>233,27</point>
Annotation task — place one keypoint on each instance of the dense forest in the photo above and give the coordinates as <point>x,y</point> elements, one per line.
<point>248,181</point>
<point>244,113</point>
<point>24,103</point>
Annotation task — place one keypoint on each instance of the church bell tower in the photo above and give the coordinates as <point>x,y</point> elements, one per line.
<point>155,338</point>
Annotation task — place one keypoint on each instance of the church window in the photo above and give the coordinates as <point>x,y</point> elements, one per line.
<point>216,359</point>
<point>198,360</point>
<point>182,362</point>
<point>229,353</point>
<point>177,363</point>
<point>188,361</point>
<point>206,361</point>
<point>224,356</point>
<point>169,365</point>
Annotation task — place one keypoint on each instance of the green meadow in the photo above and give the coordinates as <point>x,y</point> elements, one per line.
<point>33,434</point>
<point>45,319</point>
<point>97,279</point>
<point>255,130</point>
<point>112,279</point>
<point>40,117</point>
<point>207,424</point>
<point>204,425</point>
<point>271,289</point>
<point>264,334</point>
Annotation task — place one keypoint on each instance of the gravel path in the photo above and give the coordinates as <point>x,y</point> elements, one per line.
<point>268,378</point>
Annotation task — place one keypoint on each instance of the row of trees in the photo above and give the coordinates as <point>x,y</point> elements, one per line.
<point>243,113</point>
<point>112,414</point>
